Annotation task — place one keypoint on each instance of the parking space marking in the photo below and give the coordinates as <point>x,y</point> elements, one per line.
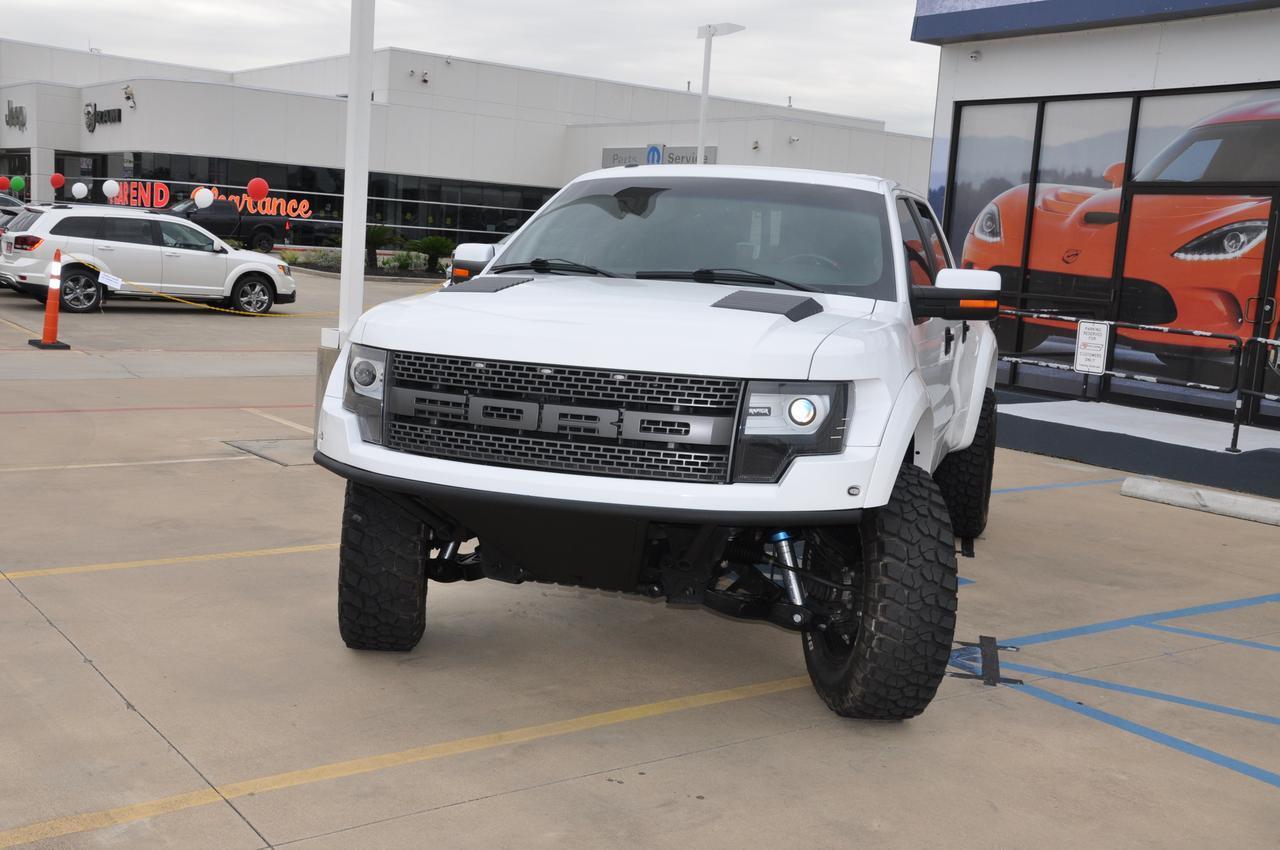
<point>18,326</point>
<point>1064,485</point>
<point>122,463</point>
<point>280,419</point>
<point>192,407</point>
<point>88,821</point>
<point>171,561</point>
<point>1141,692</point>
<point>1252,644</point>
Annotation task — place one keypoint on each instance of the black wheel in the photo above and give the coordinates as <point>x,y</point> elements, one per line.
<point>887,638</point>
<point>252,294</point>
<point>382,572</point>
<point>964,477</point>
<point>263,240</point>
<point>81,292</point>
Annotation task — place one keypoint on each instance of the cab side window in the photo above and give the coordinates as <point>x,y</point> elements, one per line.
<point>174,235</point>
<point>80,226</point>
<point>932,240</point>
<point>137,231</point>
<point>915,252</point>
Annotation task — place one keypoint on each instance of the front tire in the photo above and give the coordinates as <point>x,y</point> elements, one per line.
<point>887,659</point>
<point>263,241</point>
<point>964,477</point>
<point>382,572</point>
<point>252,294</point>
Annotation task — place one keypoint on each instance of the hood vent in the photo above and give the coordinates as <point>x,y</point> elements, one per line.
<point>794,307</point>
<point>487,283</point>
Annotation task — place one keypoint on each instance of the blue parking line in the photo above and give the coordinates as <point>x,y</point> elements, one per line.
<point>1212,756</point>
<point>1252,644</point>
<point>1142,620</point>
<point>1142,692</point>
<point>1062,486</point>
<point>962,581</point>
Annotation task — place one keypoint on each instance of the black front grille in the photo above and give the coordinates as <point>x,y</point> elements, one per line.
<point>561,456</point>
<point>564,383</point>
<point>562,418</point>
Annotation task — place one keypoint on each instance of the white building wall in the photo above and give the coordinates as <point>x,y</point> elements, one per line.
<point>1214,50</point>
<point>23,62</point>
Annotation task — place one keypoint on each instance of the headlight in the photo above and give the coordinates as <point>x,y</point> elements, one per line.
<point>283,268</point>
<point>987,225</point>
<point>1225,243</point>
<point>365,387</point>
<point>784,419</point>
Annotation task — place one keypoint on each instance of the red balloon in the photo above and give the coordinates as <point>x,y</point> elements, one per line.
<point>57,180</point>
<point>4,184</point>
<point>258,188</point>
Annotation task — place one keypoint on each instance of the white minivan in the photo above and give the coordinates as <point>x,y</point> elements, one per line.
<point>150,253</point>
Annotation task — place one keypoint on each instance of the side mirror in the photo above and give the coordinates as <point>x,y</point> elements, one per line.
<point>469,259</point>
<point>959,294</point>
<point>1114,175</point>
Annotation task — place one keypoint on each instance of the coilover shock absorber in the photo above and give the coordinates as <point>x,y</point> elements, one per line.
<point>786,554</point>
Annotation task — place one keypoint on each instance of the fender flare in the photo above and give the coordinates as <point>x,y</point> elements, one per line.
<point>910,423</point>
<point>986,354</point>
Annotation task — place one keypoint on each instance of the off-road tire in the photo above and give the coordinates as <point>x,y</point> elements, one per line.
<point>382,577</point>
<point>964,477</point>
<point>263,241</point>
<point>907,600</point>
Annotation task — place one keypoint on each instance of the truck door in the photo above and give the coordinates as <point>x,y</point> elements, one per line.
<point>936,341</point>
<point>220,218</point>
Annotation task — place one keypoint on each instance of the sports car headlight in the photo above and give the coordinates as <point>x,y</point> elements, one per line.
<point>365,385</point>
<point>1225,243</point>
<point>987,225</point>
<point>784,419</point>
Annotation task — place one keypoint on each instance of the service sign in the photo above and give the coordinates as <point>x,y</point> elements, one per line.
<point>1091,347</point>
<point>656,155</point>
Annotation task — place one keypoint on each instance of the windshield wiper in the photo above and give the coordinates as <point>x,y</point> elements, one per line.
<point>544,265</point>
<point>725,275</point>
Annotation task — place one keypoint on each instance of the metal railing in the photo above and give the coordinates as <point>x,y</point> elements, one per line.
<point>1238,347</point>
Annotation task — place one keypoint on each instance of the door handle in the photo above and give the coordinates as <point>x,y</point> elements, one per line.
<point>105,248</point>
<point>172,254</point>
<point>947,339</point>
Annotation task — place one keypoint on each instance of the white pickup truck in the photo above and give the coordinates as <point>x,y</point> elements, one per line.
<point>763,390</point>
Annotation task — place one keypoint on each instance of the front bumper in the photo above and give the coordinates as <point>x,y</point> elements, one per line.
<point>814,490</point>
<point>286,297</point>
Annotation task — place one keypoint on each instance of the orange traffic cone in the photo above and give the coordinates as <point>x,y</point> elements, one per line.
<point>49,339</point>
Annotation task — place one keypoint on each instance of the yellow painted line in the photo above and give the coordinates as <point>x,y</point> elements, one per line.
<point>88,821</point>
<point>256,412</point>
<point>122,463</point>
<point>162,562</point>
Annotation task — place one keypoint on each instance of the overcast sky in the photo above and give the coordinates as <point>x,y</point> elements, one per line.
<point>853,57</point>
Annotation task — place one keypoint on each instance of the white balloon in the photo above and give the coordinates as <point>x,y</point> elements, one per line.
<point>111,188</point>
<point>203,197</point>
<point>79,190</point>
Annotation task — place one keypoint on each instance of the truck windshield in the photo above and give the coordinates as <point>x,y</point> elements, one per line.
<point>830,238</point>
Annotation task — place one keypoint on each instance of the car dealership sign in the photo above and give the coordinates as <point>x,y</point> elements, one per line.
<point>656,155</point>
<point>15,116</point>
<point>93,116</point>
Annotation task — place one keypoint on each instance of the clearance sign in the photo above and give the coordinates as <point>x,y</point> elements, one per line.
<point>145,193</point>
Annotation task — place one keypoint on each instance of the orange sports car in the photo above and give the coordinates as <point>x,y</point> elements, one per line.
<point>1193,261</point>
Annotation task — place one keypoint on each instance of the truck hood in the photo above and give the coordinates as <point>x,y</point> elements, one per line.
<point>612,323</point>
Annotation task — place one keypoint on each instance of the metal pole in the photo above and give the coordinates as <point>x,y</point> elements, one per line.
<point>706,86</point>
<point>355,196</point>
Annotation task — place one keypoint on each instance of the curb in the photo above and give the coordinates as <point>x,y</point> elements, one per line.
<point>1218,502</point>
<point>425,281</point>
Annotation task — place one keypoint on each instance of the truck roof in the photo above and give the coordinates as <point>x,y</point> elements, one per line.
<point>865,182</point>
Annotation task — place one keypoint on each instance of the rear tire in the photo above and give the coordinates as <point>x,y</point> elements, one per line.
<point>382,573</point>
<point>80,292</point>
<point>964,477</point>
<point>888,663</point>
<point>263,241</point>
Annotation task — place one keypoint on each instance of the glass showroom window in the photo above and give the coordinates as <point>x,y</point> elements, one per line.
<point>1217,137</point>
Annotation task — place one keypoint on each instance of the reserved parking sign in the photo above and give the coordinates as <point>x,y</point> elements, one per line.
<point>1091,347</point>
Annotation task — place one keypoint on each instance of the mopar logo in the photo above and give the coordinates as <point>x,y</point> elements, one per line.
<point>93,116</point>
<point>15,116</point>
<point>653,155</point>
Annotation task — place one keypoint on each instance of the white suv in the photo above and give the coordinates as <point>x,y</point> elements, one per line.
<point>762,390</point>
<point>151,253</point>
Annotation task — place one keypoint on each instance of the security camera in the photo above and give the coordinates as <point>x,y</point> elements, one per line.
<point>975,56</point>
<point>424,78</point>
<point>128,97</point>
<point>791,140</point>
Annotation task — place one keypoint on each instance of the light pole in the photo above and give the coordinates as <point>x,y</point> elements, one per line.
<point>708,32</point>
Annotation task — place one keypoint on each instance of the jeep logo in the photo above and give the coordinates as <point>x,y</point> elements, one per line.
<point>15,116</point>
<point>610,423</point>
<point>93,116</point>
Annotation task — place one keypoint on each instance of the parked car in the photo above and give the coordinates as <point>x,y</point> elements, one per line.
<point>150,252</point>
<point>222,218</point>
<point>714,384</point>
<point>1194,260</point>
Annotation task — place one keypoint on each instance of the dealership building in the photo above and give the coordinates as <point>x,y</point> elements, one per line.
<point>461,148</point>
<point>1120,160</point>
